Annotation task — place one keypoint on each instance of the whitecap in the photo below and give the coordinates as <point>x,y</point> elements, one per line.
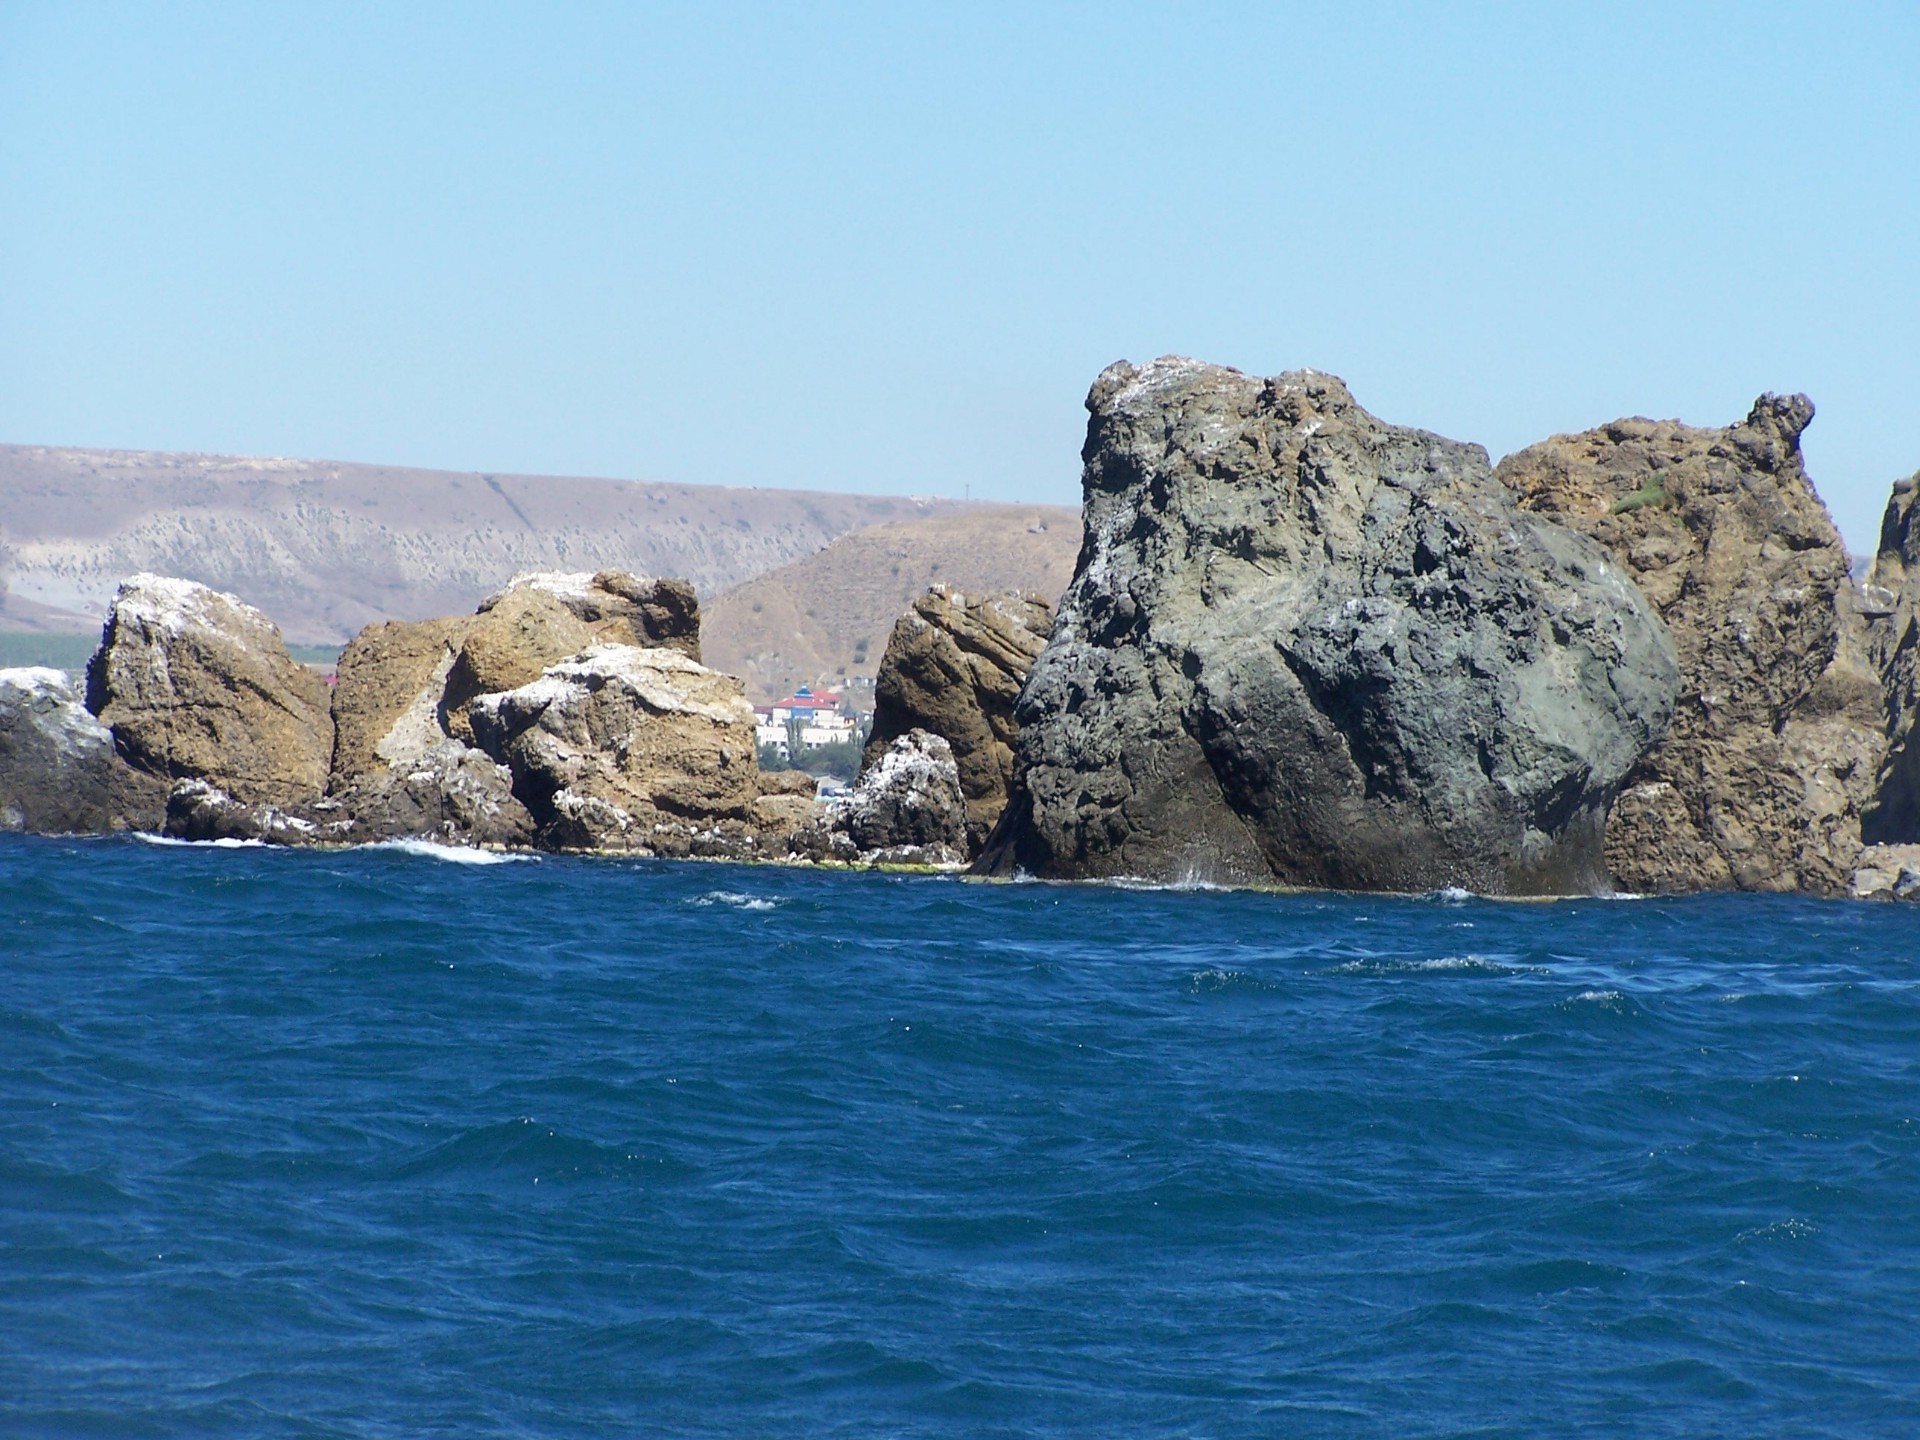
<point>1450,895</point>
<point>222,844</point>
<point>453,854</point>
<point>736,900</point>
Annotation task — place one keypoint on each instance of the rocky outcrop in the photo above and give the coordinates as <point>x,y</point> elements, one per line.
<point>1778,736</point>
<point>196,685</point>
<point>953,667</point>
<point>1309,647</point>
<point>622,748</point>
<point>909,805</point>
<point>547,616</point>
<point>1892,598</point>
<point>59,773</point>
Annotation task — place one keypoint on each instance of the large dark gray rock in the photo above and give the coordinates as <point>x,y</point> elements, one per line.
<point>1305,646</point>
<point>1893,597</point>
<point>59,773</point>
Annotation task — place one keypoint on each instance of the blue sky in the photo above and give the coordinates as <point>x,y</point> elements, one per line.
<point>887,248</point>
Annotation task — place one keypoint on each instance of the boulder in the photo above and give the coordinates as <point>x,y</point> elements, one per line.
<point>1305,646</point>
<point>909,804</point>
<point>546,616</point>
<point>59,772</point>
<point>1892,599</point>
<point>197,810</point>
<point>1778,735</point>
<point>447,792</point>
<point>953,667</point>
<point>619,608</point>
<point>622,748</point>
<point>196,685</point>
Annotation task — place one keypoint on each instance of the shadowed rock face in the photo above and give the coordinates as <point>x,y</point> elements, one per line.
<point>1778,735</point>
<point>196,685</point>
<point>59,773</point>
<point>1893,589</point>
<point>1305,646</point>
<point>954,667</point>
<point>910,798</point>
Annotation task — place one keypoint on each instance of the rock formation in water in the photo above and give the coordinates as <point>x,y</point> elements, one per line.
<point>196,685</point>
<point>1778,736</point>
<point>546,617</point>
<point>59,772</point>
<point>397,770</point>
<point>1893,588</point>
<point>910,803</point>
<point>1306,646</point>
<point>621,748</point>
<point>954,667</point>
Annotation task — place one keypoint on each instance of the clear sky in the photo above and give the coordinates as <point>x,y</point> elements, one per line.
<point>887,247</point>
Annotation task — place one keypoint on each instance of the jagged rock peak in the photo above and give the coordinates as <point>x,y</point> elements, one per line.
<point>1304,645</point>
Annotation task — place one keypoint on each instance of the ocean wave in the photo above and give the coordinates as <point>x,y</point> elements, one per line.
<point>1468,964</point>
<point>453,854</point>
<point>736,900</point>
<point>224,844</point>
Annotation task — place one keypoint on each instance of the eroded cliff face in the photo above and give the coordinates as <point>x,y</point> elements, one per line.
<point>1302,645</point>
<point>1779,732</point>
<point>953,667</point>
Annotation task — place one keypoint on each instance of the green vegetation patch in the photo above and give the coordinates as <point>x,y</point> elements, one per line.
<point>1654,493</point>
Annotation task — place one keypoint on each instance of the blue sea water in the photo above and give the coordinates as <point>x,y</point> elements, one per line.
<point>372,1143</point>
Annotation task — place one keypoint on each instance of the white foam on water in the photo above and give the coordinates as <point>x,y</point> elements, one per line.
<point>224,844</point>
<point>1598,997</point>
<point>452,854</point>
<point>736,900</point>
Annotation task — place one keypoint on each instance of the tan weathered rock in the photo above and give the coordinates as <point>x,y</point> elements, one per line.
<point>1771,757</point>
<point>387,702</point>
<point>953,667</point>
<point>622,748</point>
<point>516,636</point>
<point>196,685</point>
<point>547,616</point>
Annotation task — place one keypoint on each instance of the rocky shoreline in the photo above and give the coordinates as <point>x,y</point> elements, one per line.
<point>1302,647</point>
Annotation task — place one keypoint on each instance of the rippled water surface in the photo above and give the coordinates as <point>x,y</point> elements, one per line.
<point>369,1143</point>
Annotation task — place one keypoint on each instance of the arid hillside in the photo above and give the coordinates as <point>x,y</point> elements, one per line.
<point>324,548</point>
<point>826,618</point>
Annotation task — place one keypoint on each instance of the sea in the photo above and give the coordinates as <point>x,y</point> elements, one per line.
<point>407,1142</point>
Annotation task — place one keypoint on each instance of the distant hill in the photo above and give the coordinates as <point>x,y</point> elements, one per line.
<point>324,547</point>
<point>827,617</point>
